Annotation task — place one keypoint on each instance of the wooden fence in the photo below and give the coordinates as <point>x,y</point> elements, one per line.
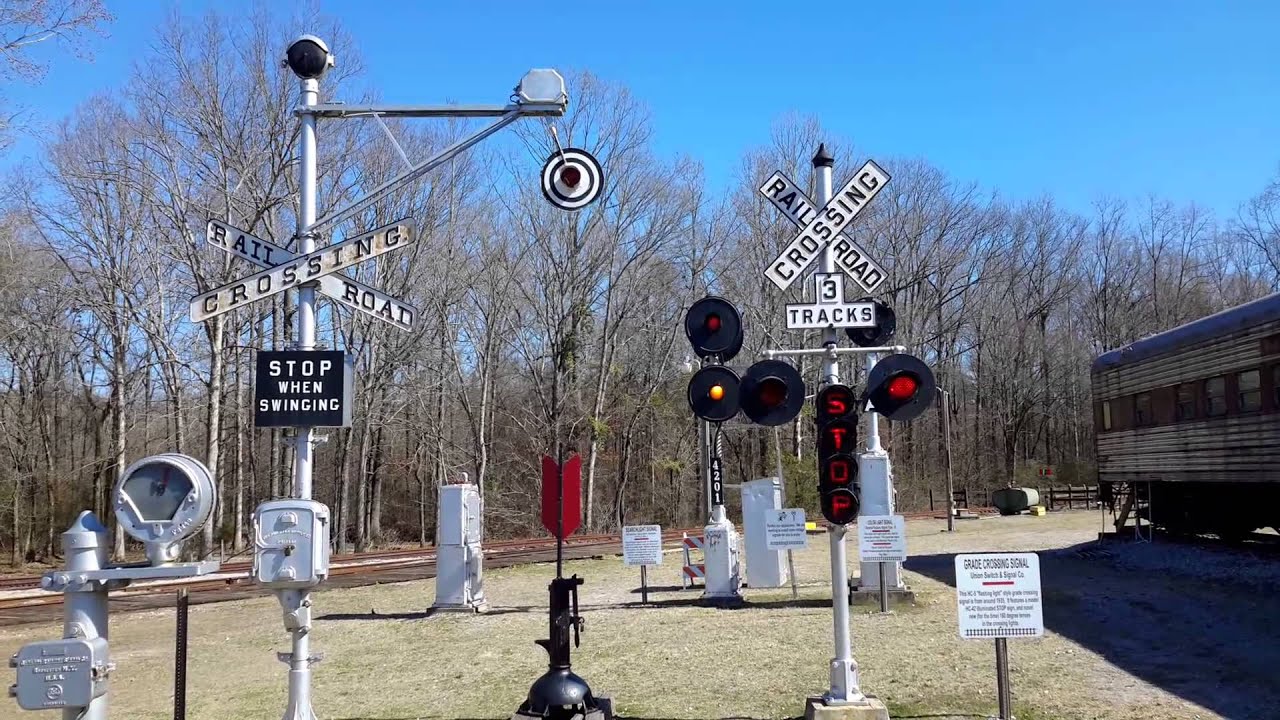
<point>1071,497</point>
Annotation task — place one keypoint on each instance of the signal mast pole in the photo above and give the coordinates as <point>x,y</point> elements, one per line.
<point>844,669</point>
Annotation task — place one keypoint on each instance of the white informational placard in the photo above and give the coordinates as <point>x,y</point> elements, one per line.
<point>642,545</point>
<point>784,529</point>
<point>882,538</point>
<point>999,595</point>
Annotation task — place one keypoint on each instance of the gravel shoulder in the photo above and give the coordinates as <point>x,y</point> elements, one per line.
<point>1133,633</point>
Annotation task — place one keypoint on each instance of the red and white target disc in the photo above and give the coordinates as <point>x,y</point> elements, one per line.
<point>572,179</point>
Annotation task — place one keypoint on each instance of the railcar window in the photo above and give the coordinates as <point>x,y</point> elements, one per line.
<point>1249,390</point>
<point>1106,412</point>
<point>1142,409</point>
<point>1275,384</point>
<point>1215,396</point>
<point>1186,401</point>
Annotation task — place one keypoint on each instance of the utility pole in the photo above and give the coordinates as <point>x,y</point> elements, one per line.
<point>945,399</point>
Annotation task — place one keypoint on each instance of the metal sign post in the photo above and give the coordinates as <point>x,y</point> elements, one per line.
<point>844,669</point>
<point>291,557</point>
<point>820,238</point>
<point>998,596</point>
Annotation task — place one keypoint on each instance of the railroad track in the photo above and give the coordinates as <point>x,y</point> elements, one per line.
<point>232,581</point>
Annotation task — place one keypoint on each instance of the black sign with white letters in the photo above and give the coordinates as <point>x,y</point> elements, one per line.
<point>303,388</point>
<point>717,482</point>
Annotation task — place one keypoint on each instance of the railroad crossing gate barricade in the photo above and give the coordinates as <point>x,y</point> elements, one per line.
<point>766,567</point>
<point>459,556</point>
<point>692,571</point>
<point>160,501</point>
<point>998,596</point>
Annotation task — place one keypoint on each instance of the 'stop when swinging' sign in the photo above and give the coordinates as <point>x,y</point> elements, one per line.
<point>303,388</point>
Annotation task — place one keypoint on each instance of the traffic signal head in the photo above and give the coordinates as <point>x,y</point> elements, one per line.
<point>714,328</point>
<point>900,387</point>
<point>881,334</point>
<point>772,393</point>
<point>714,393</point>
<point>837,419</point>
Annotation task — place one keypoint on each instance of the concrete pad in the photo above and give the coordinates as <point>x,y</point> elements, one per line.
<point>898,596</point>
<point>814,709</point>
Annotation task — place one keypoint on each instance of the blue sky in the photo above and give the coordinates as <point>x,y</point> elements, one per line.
<point>1075,99</point>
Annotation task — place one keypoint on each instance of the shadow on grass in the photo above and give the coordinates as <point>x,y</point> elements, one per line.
<point>535,609</point>
<point>1212,645</point>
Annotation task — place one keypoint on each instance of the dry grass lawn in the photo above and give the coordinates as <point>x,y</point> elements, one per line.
<point>384,660</point>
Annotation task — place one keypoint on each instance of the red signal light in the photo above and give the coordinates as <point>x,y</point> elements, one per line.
<point>842,504</point>
<point>570,176</point>
<point>773,392</point>
<point>712,323</point>
<point>902,387</point>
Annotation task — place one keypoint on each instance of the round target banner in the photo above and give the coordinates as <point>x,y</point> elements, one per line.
<point>572,179</point>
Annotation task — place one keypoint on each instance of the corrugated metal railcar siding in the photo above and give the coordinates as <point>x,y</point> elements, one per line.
<point>1235,448</point>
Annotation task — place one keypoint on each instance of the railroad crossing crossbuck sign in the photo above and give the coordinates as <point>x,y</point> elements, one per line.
<point>819,227</point>
<point>284,270</point>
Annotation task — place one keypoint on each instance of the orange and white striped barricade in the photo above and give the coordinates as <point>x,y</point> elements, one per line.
<point>692,571</point>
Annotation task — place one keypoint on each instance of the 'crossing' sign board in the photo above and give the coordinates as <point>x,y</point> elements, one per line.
<point>336,286</point>
<point>823,226</point>
<point>301,269</point>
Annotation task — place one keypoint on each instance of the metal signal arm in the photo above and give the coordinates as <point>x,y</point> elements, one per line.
<point>832,351</point>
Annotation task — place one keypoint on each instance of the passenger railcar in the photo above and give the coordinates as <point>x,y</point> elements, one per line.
<point>1187,422</point>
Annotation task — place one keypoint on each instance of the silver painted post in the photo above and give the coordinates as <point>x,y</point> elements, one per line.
<point>704,464</point>
<point>946,435</point>
<point>297,604</point>
<point>844,669</point>
<point>84,611</point>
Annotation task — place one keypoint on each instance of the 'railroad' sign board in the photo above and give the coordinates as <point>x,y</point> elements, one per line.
<point>999,595</point>
<point>830,311</point>
<point>303,388</point>
<point>820,226</point>
<point>338,287</point>
<point>882,538</point>
<point>642,545</point>
<point>301,269</point>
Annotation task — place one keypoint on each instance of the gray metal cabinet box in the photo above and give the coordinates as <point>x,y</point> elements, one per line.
<point>60,673</point>
<point>291,543</point>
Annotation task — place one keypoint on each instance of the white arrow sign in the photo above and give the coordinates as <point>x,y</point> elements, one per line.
<point>300,270</point>
<point>822,226</point>
<point>338,287</point>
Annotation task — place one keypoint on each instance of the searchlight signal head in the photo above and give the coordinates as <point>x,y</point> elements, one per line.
<point>900,387</point>
<point>714,328</point>
<point>772,393</point>
<point>714,393</point>
<point>883,331</point>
